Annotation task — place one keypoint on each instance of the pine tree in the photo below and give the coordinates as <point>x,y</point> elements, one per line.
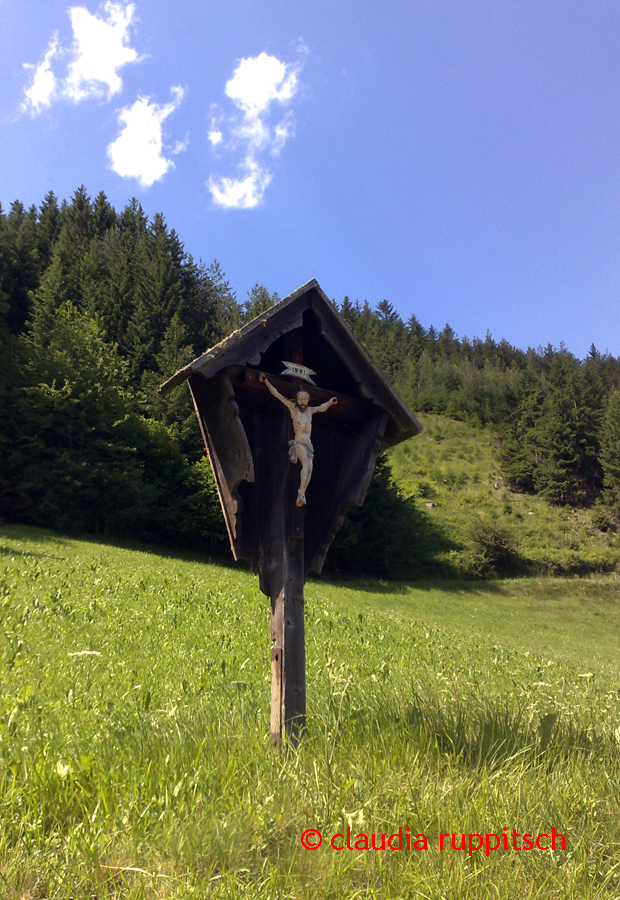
<point>385,337</point>
<point>62,280</point>
<point>259,300</point>
<point>386,314</point>
<point>520,450</point>
<point>158,296</point>
<point>75,472</point>
<point>175,409</point>
<point>212,311</point>
<point>104,215</point>
<point>417,337</point>
<point>20,268</point>
<point>610,450</point>
<point>76,450</point>
<point>448,342</point>
<point>569,471</point>
<point>48,228</point>
<point>348,313</point>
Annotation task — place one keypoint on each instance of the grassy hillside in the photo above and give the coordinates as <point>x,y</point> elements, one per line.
<point>134,717</point>
<point>455,467</point>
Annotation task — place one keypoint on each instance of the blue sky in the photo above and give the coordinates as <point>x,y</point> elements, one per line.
<point>461,159</point>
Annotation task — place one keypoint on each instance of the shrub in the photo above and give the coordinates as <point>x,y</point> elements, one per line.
<point>495,547</point>
<point>601,520</point>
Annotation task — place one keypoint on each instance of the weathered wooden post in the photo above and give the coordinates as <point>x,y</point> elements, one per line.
<point>289,400</point>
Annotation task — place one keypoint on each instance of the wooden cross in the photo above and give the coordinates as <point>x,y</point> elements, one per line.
<point>247,434</point>
<point>288,655</point>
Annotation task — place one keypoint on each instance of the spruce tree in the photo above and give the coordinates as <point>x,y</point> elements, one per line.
<point>610,450</point>
<point>227,313</point>
<point>569,471</point>
<point>104,215</point>
<point>20,268</point>
<point>48,228</point>
<point>521,452</point>
<point>62,280</point>
<point>259,300</point>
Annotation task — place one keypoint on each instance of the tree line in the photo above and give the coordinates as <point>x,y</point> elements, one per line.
<point>557,417</point>
<point>98,307</point>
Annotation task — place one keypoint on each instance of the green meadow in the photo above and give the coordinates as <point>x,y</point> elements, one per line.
<point>452,471</point>
<point>134,719</point>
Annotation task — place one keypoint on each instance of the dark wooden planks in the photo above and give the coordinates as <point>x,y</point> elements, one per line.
<point>226,444</point>
<point>373,383</point>
<point>343,477</point>
<point>288,671</point>
<point>246,343</point>
<point>246,432</point>
<point>250,343</point>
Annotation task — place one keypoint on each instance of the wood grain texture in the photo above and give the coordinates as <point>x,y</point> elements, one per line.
<point>350,465</point>
<point>373,383</point>
<point>288,685</point>
<point>227,445</point>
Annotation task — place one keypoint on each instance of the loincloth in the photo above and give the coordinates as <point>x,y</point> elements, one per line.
<point>292,450</point>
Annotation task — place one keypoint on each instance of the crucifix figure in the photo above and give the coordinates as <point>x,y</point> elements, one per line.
<point>300,449</point>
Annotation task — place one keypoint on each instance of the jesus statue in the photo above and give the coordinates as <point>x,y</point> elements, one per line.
<point>300,449</point>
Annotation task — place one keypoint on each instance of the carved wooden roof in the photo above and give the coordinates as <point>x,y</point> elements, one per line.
<point>246,431</point>
<point>248,345</point>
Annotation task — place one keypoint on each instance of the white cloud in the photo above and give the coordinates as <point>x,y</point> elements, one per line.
<point>282,132</point>
<point>180,146</point>
<point>43,87</point>
<point>100,48</point>
<point>254,132</point>
<point>138,151</point>
<point>241,193</point>
<point>259,85</point>
<point>258,81</point>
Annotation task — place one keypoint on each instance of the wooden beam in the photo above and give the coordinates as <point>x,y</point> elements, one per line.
<point>288,656</point>
<point>346,408</point>
<point>373,382</point>
<point>226,443</point>
<point>349,486</point>
<point>288,687</point>
<point>250,341</point>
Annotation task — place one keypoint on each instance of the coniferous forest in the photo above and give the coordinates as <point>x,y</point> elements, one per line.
<point>98,307</point>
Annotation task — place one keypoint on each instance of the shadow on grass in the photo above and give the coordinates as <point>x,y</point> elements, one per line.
<point>351,581</point>
<point>404,586</point>
<point>389,537</point>
<point>32,535</point>
<point>486,737</point>
<point>7,551</point>
<point>29,533</point>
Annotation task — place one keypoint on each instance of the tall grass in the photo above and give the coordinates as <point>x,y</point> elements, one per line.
<point>134,751</point>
